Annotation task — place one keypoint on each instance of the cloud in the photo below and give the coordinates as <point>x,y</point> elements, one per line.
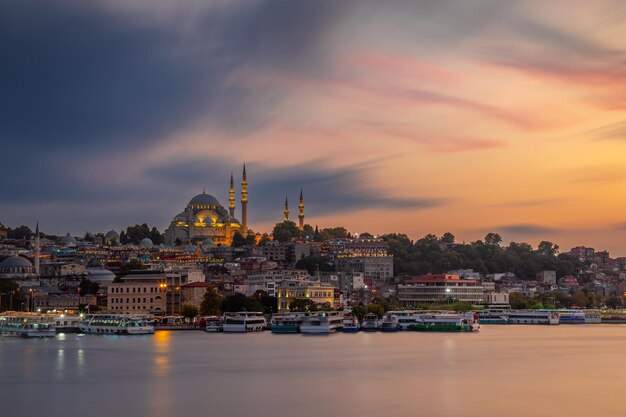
<point>614,131</point>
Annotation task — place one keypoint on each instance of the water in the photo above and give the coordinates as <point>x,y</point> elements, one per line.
<point>575,370</point>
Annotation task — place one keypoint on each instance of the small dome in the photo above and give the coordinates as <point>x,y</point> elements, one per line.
<point>16,262</point>
<point>146,242</point>
<point>100,275</point>
<point>204,199</point>
<point>208,243</point>
<point>68,239</point>
<point>111,234</point>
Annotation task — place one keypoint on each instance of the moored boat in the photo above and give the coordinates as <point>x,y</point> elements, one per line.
<point>370,323</point>
<point>214,324</point>
<point>116,324</point>
<point>244,322</point>
<point>64,323</point>
<point>351,324</point>
<point>390,323</point>
<point>322,322</point>
<point>27,325</point>
<point>550,317</point>
<point>446,322</point>
<point>405,317</point>
<point>571,316</point>
<point>286,323</point>
<point>489,316</point>
<point>593,317</point>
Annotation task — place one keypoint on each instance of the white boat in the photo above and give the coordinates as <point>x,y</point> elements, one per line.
<point>244,321</point>
<point>390,323</point>
<point>491,316</point>
<point>370,323</point>
<point>64,323</point>
<point>117,324</point>
<point>534,317</point>
<point>351,324</point>
<point>214,324</point>
<point>405,317</point>
<point>27,325</point>
<point>322,322</point>
<point>446,322</point>
<point>593,317</point>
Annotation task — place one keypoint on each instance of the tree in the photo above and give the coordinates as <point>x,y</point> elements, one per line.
<point>359,312</point>
<point>132,265</point>
<point>251,240</point>
<point>11,297</point>
<point>308,231</point>
<point>286,231</point>
<point>155,236</point>
<point>239,302</point>
<point>264,240</point>
<point>333,233</point>
<point>312,263</point>
<point>22,232</point>
<point>493,239</point>
<point>376,309</point>
<point>189,311</point>
<point>546,248</point>
<point>447,238</point>
<point>614,302</point>
<point>211,303</point>
<point>303,304</point>
<point>123,238</point>
<point>270,304</point>
<point>88,287</point>
<point>239,240</point>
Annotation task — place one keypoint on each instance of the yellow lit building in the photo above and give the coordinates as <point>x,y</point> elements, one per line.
<point>289,290</point>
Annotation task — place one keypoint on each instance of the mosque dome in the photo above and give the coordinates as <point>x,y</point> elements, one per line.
<point>111,234</point>
<point>204,200</point>
<point>16,262</point>
<point>67,239</point>
<point>146,243</point>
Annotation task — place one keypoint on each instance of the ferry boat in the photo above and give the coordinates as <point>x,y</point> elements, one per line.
<point>390,323</point>
<point>446,322</point>
<point>116,324</point>
<point>66,323</point>
<point>244,321</point>
<point>370,323</point>
<point>613,316</point>
<point>571,316</point>
<point>534,317</point>
<point>286,323</point>
<point>405,317</point>
<point>214,324</point>
<point>27,325</point>
<point>593,317</point>
<point>351,324</point>
<point>493,316</point>
<point>322,322</point>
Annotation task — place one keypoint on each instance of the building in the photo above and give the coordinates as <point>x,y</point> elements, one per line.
<point>17,268</point>
<point>439,289</point>
<point>378,267</point>
<point>289,290</point>
<point>204,218</point>
<point>583,253</point>
<point>546,277</point>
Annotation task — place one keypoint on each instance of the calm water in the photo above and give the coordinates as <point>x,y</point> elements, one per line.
<point>501,371</point>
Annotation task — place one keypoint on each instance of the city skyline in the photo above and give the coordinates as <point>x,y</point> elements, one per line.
<point>430,118</point>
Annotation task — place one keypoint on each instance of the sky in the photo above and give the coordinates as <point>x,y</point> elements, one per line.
<point>398,116</point>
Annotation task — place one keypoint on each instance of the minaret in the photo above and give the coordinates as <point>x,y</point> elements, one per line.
<point>286,212</point>
<point>37,249</point>
<point>244,203</point>
<point>231,197</point>
<point>301,212</point>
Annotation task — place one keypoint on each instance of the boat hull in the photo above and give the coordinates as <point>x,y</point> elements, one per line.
<point>442,328</point>
<point>117,331</point>
<point>284,328</point>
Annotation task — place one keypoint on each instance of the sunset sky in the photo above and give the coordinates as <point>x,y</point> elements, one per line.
<point>397,116</point>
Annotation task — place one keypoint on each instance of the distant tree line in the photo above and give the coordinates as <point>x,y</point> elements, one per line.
<point>214,304</point>
<point>134,234</point>
<point>432,254</point>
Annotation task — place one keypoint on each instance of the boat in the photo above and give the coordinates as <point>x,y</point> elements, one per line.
<point>390,323</point>
<point>322,322</point>
<point>613,316</point>
<point>550,317</point>
<point>490,316</point>
<point>370,323</point>
<point>405,317</point>
<point>571,316</point>
<point>117,324</point>
<point>27,325</point>
<point>286,323</point>
<point>446,322</point>
<point>351,324</point>
<point>64,323</point>
<point>244,321</point>
<point>593,317</point>
<point>214,324</point>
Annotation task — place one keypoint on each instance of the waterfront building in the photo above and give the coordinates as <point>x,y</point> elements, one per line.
<point>289,289</point>
<point>378,267</point>
<point>440,288</point>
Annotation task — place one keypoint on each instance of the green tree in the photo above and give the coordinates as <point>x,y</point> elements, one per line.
<point>11,297</point>
<point>359,312</point>
<point>264,240</point>
<point>22,232</point>
<point>286,231</point>
<point>376,309</point>
<point>88,287</point>
<point>493,239</point>
<point>239,302</point>
<point>211,303</point>
<point>546,248</point>
<point>189,311</point>
<point>270,304</point>
<point>334,233</point>
<point>447,238</point>
<point>132,265</point>
<point>251,240</point>
<point>303,304</point>
<point>308,231</point>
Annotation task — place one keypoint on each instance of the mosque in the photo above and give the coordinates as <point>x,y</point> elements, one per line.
<point>206,220</point>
